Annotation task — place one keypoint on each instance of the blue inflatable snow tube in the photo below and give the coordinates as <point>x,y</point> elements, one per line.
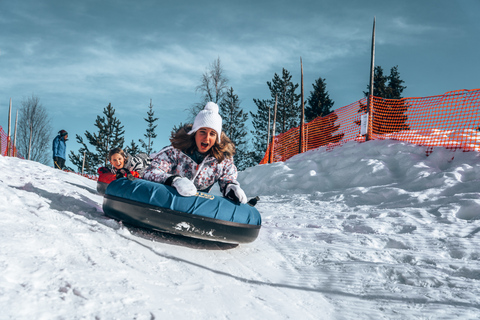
<point>157,206</point>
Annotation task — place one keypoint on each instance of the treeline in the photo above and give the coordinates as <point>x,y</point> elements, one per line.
<point>283,92</point>
<point>213,86</point>
<point>110,135</point>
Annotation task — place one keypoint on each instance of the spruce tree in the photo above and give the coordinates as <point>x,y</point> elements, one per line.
<point>260,132</point>
<point>132,149</point>
<point>234,126</point>
<point>319,103</point>
<point>288,112</point>
<point>392,116</point>
<point>388,87</point>
<point>379,84</point>
<point>110,135</point>
<point>395,84</point>
<point>175,128</point>
<point>150,135</point>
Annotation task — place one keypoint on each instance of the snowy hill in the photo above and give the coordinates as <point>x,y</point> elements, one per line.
<point>377,230</point>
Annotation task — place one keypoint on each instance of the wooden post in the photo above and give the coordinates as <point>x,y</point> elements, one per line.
<point>30,142</point>
<point>268,134</point>
<point>273,131</point>
<point>302,119</point>
<point>83,165</point>
<point>370,94</point>
<point>9,142</point>
<point>15,137</point>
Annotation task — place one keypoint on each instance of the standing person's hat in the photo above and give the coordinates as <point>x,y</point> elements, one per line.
<point>208,118</point>
<point>62,133</point>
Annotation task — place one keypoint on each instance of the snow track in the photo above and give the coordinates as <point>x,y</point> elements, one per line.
<point>377,263</point>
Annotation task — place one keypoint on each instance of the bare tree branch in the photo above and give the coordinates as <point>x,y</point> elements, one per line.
<point>34,125</point>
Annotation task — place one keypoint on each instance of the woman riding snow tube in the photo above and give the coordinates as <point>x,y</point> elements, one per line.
<point>180,177</point>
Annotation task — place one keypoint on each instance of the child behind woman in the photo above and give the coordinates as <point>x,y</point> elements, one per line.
<point>122,165</point>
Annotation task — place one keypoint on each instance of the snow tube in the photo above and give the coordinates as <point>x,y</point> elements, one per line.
<point>159,207</point>
<point>101,187</point>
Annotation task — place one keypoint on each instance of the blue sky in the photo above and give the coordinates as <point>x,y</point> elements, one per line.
<point>78,56</point>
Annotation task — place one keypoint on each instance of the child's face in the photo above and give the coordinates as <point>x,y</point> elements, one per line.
<point>117,161</point>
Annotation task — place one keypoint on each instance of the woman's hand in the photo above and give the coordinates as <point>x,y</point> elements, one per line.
<point>185,187</point>
<point>234,192</point>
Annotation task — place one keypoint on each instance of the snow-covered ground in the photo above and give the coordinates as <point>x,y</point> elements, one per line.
<point>377,230</point>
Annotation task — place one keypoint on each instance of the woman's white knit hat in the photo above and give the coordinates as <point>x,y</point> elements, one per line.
<point>208,118</point>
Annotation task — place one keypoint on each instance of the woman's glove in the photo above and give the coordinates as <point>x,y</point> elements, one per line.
<point>184,186</point>
<point>234,192</point>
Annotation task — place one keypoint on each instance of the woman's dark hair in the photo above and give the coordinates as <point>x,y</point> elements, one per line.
<point>185,142</point>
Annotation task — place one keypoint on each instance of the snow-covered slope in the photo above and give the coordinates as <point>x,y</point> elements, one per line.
<point>376,230</point>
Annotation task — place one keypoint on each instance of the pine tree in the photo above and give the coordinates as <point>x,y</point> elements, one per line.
<point>234,126</point>
<point>288,112</point>
<point>395,87</point>
<point>175,128</point>
<point>260,134</point>
<point>319,102</point>
<point>379,84</point>
<point>388,87</point>
<point>150,135</point>
<point>392,116</point>
<point>132,149</point>
<point>110,135</point>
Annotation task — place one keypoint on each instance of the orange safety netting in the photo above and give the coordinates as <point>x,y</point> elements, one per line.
<point>450,120</point>
<point>4,145</point>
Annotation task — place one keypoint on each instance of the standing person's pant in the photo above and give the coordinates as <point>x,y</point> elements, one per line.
<point>58,163</point>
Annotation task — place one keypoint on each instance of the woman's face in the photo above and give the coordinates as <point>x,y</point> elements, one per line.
<point>205,139</point>
<point>117,161</point>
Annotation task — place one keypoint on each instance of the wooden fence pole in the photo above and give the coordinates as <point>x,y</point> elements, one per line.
<point>302,120</point>
<point>30,140</point>
<point>9,143</point>
<point>15,137</point>
<point>370,94</point>
<point>273,131</point>
<point>83,165</point>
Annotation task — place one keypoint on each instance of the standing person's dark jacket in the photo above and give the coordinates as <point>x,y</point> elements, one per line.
<point>59,148</point>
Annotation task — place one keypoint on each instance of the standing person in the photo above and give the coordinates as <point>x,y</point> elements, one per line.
<point>60,149</point>
<point>199,155</point>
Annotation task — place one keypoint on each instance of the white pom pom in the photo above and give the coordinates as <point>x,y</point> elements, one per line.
<point>211,106</point>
